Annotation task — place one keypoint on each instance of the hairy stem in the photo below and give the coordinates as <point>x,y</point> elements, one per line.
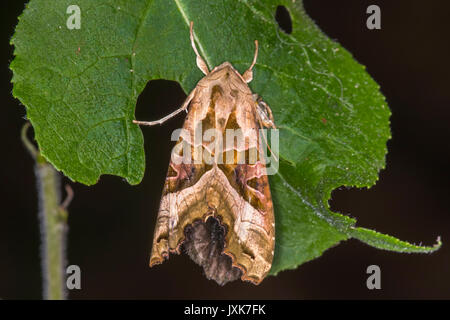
<point>53,223</point>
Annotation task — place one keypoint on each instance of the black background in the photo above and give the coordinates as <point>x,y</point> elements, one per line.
<point>111,224</point>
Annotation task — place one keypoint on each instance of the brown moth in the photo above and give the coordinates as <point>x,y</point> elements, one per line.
<point>220,212</point>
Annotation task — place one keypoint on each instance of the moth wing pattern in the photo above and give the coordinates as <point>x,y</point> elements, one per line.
<point>236,194</point>
<point>216,202</point>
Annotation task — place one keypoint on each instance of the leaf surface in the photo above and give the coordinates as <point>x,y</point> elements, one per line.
<point>80,88</point>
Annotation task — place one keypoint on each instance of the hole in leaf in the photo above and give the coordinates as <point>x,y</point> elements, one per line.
<point>283,18</point>
<point>158,99</point>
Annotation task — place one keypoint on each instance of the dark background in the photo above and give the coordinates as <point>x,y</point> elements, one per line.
<point>111,224</point>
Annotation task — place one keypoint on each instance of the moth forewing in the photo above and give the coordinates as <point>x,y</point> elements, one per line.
<point>216,204</point>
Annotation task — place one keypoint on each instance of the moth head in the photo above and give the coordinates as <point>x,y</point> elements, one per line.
<point>226,70</point>
<point>247,76</point>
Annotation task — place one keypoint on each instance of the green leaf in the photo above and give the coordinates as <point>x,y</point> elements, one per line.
<point>383,241</point>
<point>80,89</point>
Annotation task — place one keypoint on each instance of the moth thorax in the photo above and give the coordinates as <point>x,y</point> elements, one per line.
<point>204,244</point>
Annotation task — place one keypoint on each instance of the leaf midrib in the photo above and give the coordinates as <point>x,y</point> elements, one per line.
<point>188,21</point>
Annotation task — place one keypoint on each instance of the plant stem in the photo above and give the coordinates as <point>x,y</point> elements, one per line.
<point>53,223</point>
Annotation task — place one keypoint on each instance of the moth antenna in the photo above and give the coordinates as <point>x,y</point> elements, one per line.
<point>248,75</point>
<point>201,64</point>
<point>255,56</point>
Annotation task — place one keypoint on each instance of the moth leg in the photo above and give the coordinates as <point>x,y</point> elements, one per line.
<point>248,75</point>
<point>201,64</point>
<point>265,119</point>
<point>270,114</point>
<point>169,116</point>
<point>264,113</point>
